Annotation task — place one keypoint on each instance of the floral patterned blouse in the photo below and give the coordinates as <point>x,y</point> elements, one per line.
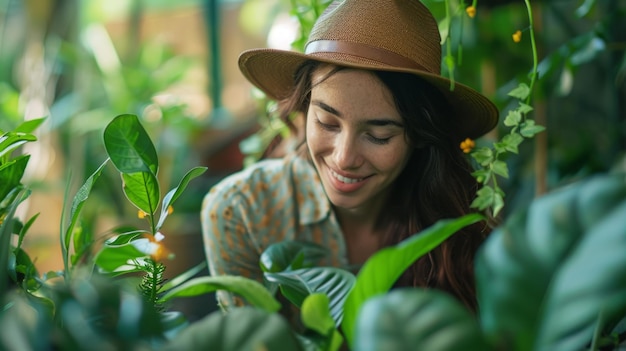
<point>269,202</point>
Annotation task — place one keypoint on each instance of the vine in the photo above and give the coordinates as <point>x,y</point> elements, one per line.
<point>490,159</point>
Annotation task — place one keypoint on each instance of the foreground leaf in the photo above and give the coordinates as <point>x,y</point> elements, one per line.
<point>382,270</point>
<point>243,328</point>
<point>291,255</point>
<point>251,290</point>
<point>296,285</point>
<point>416,319</point>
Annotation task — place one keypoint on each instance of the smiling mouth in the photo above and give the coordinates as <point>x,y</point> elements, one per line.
<point>345,179</point>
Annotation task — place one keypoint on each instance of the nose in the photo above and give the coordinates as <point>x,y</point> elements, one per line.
<point>346,153</point>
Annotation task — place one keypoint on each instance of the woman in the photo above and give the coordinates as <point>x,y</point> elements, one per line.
<point>380,159</point>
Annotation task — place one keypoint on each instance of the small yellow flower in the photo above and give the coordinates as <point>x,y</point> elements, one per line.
<point>467,145</point>
<point>152,245</point>
<point>170,209</point>
<point>517,36</point>
<point>471,11</point>
<point>141,214</point>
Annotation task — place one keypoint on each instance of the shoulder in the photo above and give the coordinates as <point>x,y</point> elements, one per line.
<point>266,178</point>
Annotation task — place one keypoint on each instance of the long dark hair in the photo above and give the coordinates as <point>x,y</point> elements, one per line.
<point>435,184</point>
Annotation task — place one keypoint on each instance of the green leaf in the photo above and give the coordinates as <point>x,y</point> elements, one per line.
<point>244,328</point>
<point>125,238</point>
<point>589,284</point>
<point>521,91</point>
<point>484,155</point>
<point>500,168</point>
<point>563,252</point>
<point>30,125</point>
<point>382,270</point>
<point>529,128</point>
<point>511,142</point>
<point>11,141</point>
<point>296,285</point>
<point>142,189</point>
<point>316,316</point>
<point>183,277</point>
<point>498,202</point>
<point>24,229</point>
<point>173,194</point>
<point>417,319</point>
<point>291,255</point>
<point>485,198</point>
<point>524,108</point>
<point>112,258</point>
<point>11,174</point>
<point>128,145</point>
<point>482,175</point>
<point>251,290</point>
<point>513,118</point>
<point>77,204</point>
<point>444,29</point>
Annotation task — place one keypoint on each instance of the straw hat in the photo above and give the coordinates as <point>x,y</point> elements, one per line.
<point>387,35</point>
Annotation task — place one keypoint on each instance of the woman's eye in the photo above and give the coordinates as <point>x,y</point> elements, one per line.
<point>379,141</point>
<point>326,126</point>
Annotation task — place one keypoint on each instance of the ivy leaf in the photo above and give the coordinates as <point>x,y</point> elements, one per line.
<point>524,108</point>
<point>484,198</point>
<point>529,128</point>
<point>482,175</point>
<point>444,29</point>
<point>511,142</point>
<point>500,168</point>
<point>484,156</point>
<point>521,92</point>
<point>513,118</point>
<point>498,202</point>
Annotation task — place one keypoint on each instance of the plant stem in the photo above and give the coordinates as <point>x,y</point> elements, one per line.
<point>533,44</point>
<point>154,283</point>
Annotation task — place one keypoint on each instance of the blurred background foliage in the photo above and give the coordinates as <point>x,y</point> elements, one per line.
<point>174,64</point>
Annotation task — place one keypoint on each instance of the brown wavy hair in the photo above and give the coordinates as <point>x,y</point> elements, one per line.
<point>435,184</point>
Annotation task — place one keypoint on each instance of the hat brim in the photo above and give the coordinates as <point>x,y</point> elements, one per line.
<point>272,71</point>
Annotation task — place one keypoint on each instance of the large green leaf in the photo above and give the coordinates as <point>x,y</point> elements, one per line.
<point>173,194</point>
<point>251,290</point>
<point>142,189</point>
<point>382,270</point>
<point>296,285</point>
<point>417,319</point>
<point>589,288</point>
<point>521,269</point>
<point>242,329</point>
<point>290,255</point>
<point>128,145</point>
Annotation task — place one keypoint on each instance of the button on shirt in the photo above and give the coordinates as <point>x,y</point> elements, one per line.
<point>271,201</point>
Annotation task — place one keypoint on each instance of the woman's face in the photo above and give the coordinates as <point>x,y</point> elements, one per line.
<point>355,137</point>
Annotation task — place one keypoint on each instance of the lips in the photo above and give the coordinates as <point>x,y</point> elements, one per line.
<point>343,179</point>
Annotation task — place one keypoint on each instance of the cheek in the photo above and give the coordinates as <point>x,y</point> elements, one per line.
<point>394,161</point>
<point>314,138</point>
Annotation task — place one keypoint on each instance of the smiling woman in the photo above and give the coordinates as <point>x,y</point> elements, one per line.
<point>379,159</point>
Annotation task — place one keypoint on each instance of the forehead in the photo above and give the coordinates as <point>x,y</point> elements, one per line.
<point>349,88</point>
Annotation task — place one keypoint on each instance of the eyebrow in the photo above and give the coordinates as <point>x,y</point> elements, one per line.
<point>382,122</point>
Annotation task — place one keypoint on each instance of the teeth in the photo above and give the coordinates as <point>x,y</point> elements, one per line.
<point>344,179</point>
